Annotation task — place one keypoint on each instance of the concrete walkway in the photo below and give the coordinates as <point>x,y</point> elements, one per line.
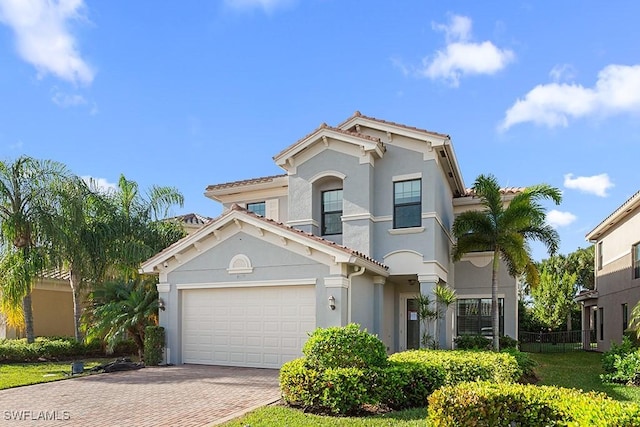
<point>186,395</point>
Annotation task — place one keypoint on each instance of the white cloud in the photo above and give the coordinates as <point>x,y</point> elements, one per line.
<point>266,5</point>
<point>66,100</point>
<point>43,38</point>
<point>596,184</point>
<point>100,184</point>
<point>557,218</point>
<point>462,56</point>
<point>616,91</point>
<point>562,72</point>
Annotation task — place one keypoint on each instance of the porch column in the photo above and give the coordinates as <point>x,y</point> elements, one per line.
<point>163,316</point>
<point>586,326</point>
<point>378,306</point>
<point>337,293</point>
<point>428,285</point>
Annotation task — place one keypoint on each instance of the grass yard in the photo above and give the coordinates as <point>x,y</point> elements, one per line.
<point>580,370</point>
<point>19,374</point>
<point>283,416</point>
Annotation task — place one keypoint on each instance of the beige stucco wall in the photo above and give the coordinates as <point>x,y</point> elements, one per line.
<point>614,281</point>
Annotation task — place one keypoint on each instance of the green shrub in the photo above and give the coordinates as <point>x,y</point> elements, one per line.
<point>460,365</point>
<point>409,384</point>
<point>337,391</point>
<point>53,348</point>
<point>508,342</point>
<point>344,347</point>
<point>525,362</point>
<point>623,349</point>
<point>626,369</point>
<point>472,342</point>
<point>490,404</point>
<point>153,345</point>
<point>300,385</point>
<point>124,348</point>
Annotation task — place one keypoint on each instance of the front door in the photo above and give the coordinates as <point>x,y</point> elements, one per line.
<point>409,322</point>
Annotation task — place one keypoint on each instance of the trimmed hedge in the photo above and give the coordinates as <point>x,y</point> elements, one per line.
<point>409,384</point>
<point>489,404</point>
<point>153,345</point>
<point>460,366</point>
<point>479,342</point>
<point>54,348</point>
<point>344,347</point>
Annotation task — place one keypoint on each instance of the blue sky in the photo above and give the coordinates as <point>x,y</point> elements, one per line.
<point>189,94</point>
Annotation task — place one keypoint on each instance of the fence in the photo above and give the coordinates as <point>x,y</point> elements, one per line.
<point>557,342</point>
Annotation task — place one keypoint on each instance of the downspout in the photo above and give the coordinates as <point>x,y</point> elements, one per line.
<point>359,272</point>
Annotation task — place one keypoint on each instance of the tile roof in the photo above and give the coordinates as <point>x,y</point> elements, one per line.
<point>386,122</point>
<point>504,191</point>
<point>318,239</point>
<point>191,219</point>
<point>334,129</point>
<point>55,274</point>
<point>244,182</point>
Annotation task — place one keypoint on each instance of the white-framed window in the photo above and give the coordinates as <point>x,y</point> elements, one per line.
<point>407,203</point>
<point>258,208</point>
<point>331,212</point>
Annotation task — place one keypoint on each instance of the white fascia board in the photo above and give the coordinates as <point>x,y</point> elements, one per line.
<point>426,136</point>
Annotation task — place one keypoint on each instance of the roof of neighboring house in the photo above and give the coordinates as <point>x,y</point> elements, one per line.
<point>56,274</point>
<point>188,241</point>
<point>618,215</point>
<point>504,191</point>
<point>191,219</point>
<point>586,294</point>
<point>386,122</point>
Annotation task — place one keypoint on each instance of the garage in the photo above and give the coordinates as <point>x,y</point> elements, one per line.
<point>256,326</point>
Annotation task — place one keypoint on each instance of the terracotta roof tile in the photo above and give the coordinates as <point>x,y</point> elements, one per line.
<point>191,219</point>
<point>334,129</point>
<point>504,191</point>
<point>318,239</point>
<point>241,183</point>
<point>358,114</point>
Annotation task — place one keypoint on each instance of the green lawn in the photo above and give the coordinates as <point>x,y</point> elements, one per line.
<point>580,370</point>
<point>19,374</point>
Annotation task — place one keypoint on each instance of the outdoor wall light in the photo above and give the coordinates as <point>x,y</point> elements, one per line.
<point>161,304</point>
<point>332,302</point>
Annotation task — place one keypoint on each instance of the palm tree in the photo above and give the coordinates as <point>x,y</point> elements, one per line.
<point>506,231</point>
<point>124,309</point>
<point>79,231</point>
<point>138,225</point>
<point>24,198</point>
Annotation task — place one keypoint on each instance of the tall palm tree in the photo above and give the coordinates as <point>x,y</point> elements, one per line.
<point>25,185</point>
<point>506,231</point>
<point>79,230</point>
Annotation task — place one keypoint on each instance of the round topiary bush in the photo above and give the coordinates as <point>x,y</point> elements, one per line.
<point>344,347</point>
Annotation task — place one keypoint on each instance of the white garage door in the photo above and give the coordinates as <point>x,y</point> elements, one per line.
<point>259,326</point>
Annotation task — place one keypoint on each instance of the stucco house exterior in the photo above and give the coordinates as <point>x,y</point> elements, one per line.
<point>607,308</point>
<point>355,228</point>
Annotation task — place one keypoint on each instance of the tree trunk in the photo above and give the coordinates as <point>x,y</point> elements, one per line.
<point>495,309</point>
<point>569,322</point>
<point>28,317</point>
<point>75,281</point>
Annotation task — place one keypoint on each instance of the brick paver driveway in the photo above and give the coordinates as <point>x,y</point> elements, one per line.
<point>187,395</point>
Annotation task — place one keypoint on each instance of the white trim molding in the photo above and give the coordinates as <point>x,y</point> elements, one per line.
<point>163,287</point>
<point>327,174</point>
<point>336,282</point>
<point>407,177</point>
<point>409,230</point>
<point>240,264</point>
<point>247,284</point>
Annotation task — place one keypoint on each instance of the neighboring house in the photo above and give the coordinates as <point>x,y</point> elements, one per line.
<point>52,305</point>
<point>607,308</point>
<point>355,229</point>
<point>52,299</point>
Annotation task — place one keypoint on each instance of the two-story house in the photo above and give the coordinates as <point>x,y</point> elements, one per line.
<point>355,228</point>
<point>607,308</point>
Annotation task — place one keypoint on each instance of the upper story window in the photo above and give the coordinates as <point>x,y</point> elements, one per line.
<point>257,208</point>
<point>599,255</point>
<point>636,260</point>
<point>331,212</point>
<point>407,203</point>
